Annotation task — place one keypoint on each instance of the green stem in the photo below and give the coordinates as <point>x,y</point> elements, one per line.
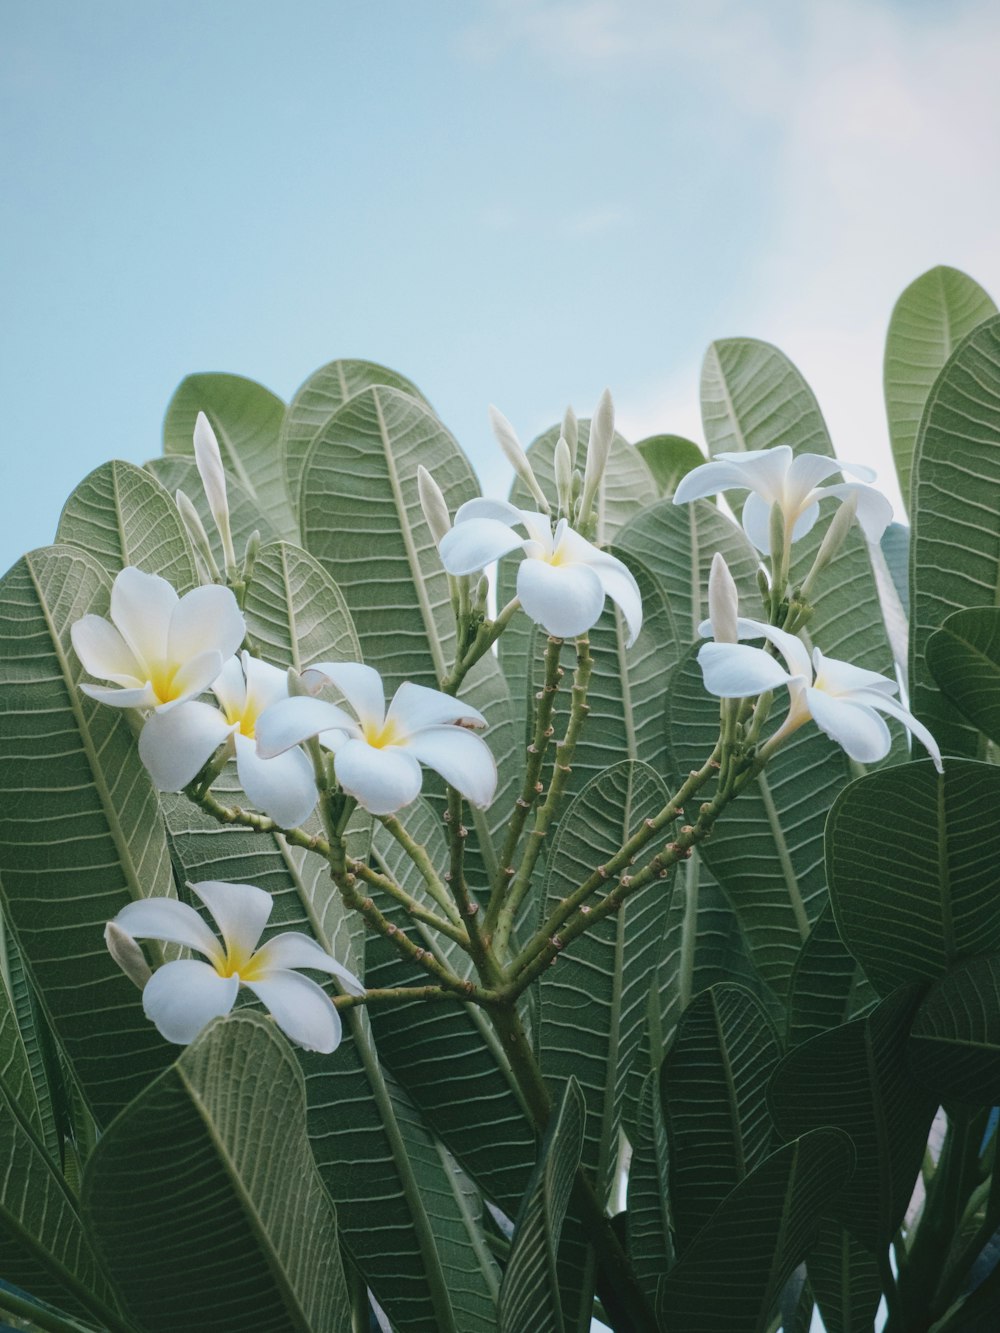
<point>467,905</point>
<point>418,855</point>
<point>404,993</point>
<point>482,641</point>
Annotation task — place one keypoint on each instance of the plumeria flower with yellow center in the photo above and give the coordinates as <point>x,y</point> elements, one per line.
<point>776,477</point>
<point>378,753</point>
<point>183,995</point>
<point>158,649</point>
<point>843,700</point>
<point>175,745</point>
<point>563,580</point>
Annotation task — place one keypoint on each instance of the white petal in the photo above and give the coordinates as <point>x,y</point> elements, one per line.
<point>566,600</point>
<point>176,743</point>
<point>475,543</point>
<point>241,911</point>
<point>118,698</point>
<point>791,647</point>
<point>855,727</point>
<point>807,471</point>
<point>896,710</point>
<point>874,510</point>
<point>806,521</point>
<point>414,707</point>
<point>709,479</point>
<point>141,607</point>
<point>737,671</point>
<point>291,721</point>
<point>382,781</point>
<point>303,1011</point>
<point>283,787</point>
<point>360,685</point>
<point>501,510</point>
<point>265,684</point>
<point>836,677</point>
<point>756,521</point>
<point>230,687</point>
<point>207,618</point>
<point>104,653</point>
<point>295,950</point>
<point>619,584</point>
<point>171,921</point>
<point>765,470</point>
<point>462,758</point>
<point>183,996</point>
<point>192,678</point>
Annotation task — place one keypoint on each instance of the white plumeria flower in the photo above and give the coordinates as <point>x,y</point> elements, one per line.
<point>377,754</point>
<point>564,579</point>
<point>174,746</point>
<point>183,995</point>
<point>158,649</point>
<point>843,700</point>
<point>777,477</point>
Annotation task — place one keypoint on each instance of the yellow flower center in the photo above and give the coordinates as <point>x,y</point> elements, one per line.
<point>245,966</point>
<point>379,736</point>
<point>245,718</point>
<point>162,680</point>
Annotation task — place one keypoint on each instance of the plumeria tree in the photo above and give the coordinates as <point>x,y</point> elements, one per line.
<point>435,913</point>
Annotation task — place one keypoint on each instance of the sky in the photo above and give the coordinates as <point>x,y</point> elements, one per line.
<point>509,201</point>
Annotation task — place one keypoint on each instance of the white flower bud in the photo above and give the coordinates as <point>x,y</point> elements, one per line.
<point>564,474</point>
<point>836,534</point>
<point>127,954</point>
<point>199,538</point>
<point>570,433</point>
<point>213,478</point>
<point>432,502</point>
<point>602,432</point>
<point>723,602</point>
<point>516,457</point>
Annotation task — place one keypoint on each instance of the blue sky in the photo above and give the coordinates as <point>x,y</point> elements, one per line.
<point>516,201</point>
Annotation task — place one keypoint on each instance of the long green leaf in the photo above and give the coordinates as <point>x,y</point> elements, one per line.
<point>295,612</point>
<point>963,656</point>
<point>845,1281</point>
<point>80,829</point>
<point>205,1200</point>
<point>929,320</point>
<point>856,1078</point>
<point>318,398</point>
<point>246,419</point>
<point>23,1074</point>
<point>827,987</point>
<point>712,1085</point>
<point>529,1296</point>
<point>914,894</point>
<point>650,1247</point>
<point>736,1268</point>
<point>955,1040</point>
<point>123,516</point>
<point>954,559</point>
<point>669,458</point>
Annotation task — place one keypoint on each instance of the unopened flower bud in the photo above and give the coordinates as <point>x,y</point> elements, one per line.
<point>127,954</point>
<point>564,474</point>
<point>432,502</point>
<point>602,433</point>
<point>213,478</point>
<point>250,555</point>
<point>836,534</point>
<point>199,538</point>
<point>516,457</point>
<point>570,433</point>
<point>723,602</point>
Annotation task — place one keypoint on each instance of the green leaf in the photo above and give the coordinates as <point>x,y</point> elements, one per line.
<point>23,1072</point>
<point>245,515</point>
<point>737,1266</point>
<point>319,397</point>
<point>845,1281</point>
<point>827,988</point>
<point>295,612</point>
<point>963,656</point>
<point>246,419</point>
<point>767,849</point>
<point>669,457</point>
<point>955,1039</point>
<point>650,1248</point>
<point>529,1296</point>
<point>204,1197</point>
<point>123,516</point>
<point>752,397</point>
<point>929,320</point>
<point>592,1003</point>
<point>914,894</point>
<point>855,1077</point>
<point>44,1247</point>
<point>80,829</point>
<point>954,558</point>
<point>712,1084</point>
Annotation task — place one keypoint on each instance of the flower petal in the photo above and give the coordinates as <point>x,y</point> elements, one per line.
<point>481,507</point>
<point>265,684</point>
<point>414,707</point>
<point>183,996</point>
<point>737,671</point>
<point>756,520</point>
<point>283,787</point>
<point>291,721</point>
<point>874,510</point>
<point>619,584</point>
<point>360,685</point>
<point>806,471</point>
<point>241,912</point>
<point>472,545</point>
<point>118,698</point>
<point>896,710</point>
<point>791,647</point>
<point>303,1010</point>
<point>806,521</point>
<point>462,758</point>
<point>193,677</point>
<point>206,618</point>
<point>141,607</point>
<point>836,677</point>
<point>711,478</point>
<point>176,743</point>
<point>382,781</point>
<point>294,950</point>
<point>566,600</point>
<point>104,653</point>
<point>853,725</point>
<point>230,687</point>
<point>171,921</point>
